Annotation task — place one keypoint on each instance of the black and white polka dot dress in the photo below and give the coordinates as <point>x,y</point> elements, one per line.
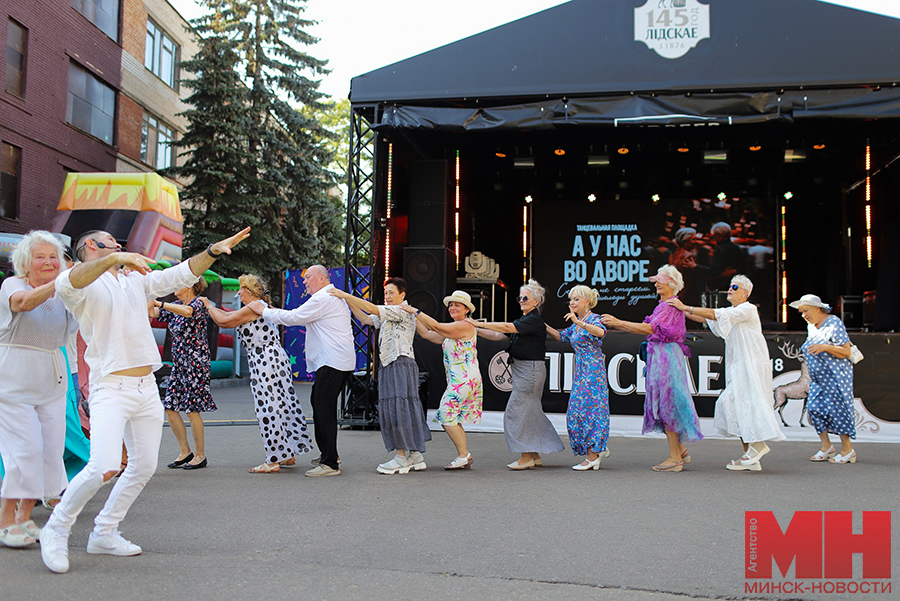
<point>281,420</point>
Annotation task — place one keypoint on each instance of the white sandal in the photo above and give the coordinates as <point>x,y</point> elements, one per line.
<point>8,538</point>
<point>851,458</point>
<point>753,455</point>
<point>824,455</point>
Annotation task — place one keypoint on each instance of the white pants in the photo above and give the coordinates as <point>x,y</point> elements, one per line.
<point>32,442</point>
<point>122,408</point>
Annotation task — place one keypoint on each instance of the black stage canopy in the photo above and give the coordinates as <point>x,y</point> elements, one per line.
<point>590,62</point>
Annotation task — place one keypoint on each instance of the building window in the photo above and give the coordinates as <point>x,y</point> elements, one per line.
<point>156,143</point>
<point>161,54</point>
<point>10,157</point>
<point>102,13</point>
<point>91,105</point>
<point>16,46</point>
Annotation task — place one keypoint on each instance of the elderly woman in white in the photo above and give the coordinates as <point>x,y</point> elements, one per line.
<point>744,408</point>
<point>34,324</point>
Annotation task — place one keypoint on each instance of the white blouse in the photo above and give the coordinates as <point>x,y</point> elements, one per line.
<point>398,328</point>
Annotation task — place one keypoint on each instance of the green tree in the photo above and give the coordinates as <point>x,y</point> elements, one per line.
<point>283,176</point>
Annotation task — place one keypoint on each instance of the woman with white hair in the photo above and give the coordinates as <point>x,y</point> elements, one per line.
<point>587,416</point>
<point>34,324</point>
<point>830,402</point>
<point>744,408</point>
<point>668,405</point>
<point>528,431</point>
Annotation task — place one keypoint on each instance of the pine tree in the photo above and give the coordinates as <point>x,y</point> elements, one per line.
<point>281,178</point>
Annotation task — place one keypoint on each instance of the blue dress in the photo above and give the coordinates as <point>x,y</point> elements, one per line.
<point>830,404</point>
<point>587,417</point>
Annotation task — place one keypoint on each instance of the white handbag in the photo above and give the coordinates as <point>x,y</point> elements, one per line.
<point>855,354</point>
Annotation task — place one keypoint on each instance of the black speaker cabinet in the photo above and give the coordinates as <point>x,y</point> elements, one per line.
<point>430,274</point>
<point>428,193</point>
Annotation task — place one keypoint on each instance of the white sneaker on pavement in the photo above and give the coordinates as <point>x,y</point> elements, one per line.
<point>398,465</point>
<point>55,549</point>
<point>111,544</point>
<point>417,461</point>
<point>323,470</point>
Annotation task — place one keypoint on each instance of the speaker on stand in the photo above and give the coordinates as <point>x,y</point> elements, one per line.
<point>430,274</point>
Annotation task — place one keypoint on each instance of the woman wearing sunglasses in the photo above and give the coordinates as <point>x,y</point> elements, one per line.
<point>668,405</point>
<point>528,431</point>
<point>744,408</point>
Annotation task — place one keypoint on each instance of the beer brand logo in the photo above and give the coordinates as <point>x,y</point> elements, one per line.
<point>671,27</point>
<point>498,372</point>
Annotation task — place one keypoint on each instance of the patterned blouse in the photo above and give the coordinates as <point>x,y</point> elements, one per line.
<point>398,328</point>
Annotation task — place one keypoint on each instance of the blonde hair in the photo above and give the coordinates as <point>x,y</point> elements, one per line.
<point>589,294</point>
<point>256,285</point>
<point>21,255</point>
<point>538,291</point>
<point>743,282</point>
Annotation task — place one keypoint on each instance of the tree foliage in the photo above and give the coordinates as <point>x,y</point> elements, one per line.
<point>257,154</point>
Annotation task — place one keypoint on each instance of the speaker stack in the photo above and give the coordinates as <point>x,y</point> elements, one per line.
<point>430,274</point>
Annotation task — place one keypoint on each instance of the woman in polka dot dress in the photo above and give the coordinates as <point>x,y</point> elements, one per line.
<point>281,420</point>
<point>830,404</point>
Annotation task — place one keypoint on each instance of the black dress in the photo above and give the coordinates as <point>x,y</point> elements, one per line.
<point>188,389</point>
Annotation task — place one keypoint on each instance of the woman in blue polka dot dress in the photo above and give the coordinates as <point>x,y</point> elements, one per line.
<point>827,353</point>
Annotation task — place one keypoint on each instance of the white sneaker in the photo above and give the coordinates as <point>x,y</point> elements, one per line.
<point>323,470</point>
<point>417,461</point>
<point>111,544</point>
<point>55,549</point>
<point>397,465</point>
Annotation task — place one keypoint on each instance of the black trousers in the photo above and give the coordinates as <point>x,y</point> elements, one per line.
<point>325,391</point>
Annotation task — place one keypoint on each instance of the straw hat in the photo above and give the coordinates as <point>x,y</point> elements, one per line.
<point>810,300</point>
<point>460,297</point>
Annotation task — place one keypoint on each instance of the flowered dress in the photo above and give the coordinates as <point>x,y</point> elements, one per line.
<point>281,420</point>
<point>462,400</point>
<point>587,417</point>
<point>830,403</point>
<point>188,389</point>
<point>668,404</point>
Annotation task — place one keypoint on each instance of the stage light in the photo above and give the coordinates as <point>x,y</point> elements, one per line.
<point>784,300</point>
<point>819,146</point>
<point>788,195</point>
<point>755,147</point>
<point>598,160</point>
<point>715,157</point>
<point>722,196</point>
<point>528,199</point>
<point>559,152</point>
<point>523,162</point>
<point>655,198</point>
<point>387,234</point>
<point>592,197</point>
<point>794,155</point>
<point>868,205</point>
<point>456,247</point>
<point>500,155</point>
<point>623,150</point>
<point>683,149</point>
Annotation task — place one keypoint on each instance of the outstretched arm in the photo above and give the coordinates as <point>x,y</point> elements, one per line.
<point>84,274</point>
<point>183,310</point>
<point>362,316</point>
<point>628,326</point>
<point>204,260</point>
<point>26,300</point>
<point>355,301</point>
<point>699,314</point>
<point>228,319</point>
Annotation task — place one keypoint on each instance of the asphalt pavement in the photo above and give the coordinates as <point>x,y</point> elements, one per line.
<point>621,533</point>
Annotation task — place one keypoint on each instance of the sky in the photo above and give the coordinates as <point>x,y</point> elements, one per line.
<point>358,36</point>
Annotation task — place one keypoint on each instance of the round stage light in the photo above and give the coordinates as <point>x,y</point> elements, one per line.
<point>788,195</point>
<point>528,199</point>
<point>559,152</point>
<point>818,146</point>
<point>500,155</point>
<point>592,197</point>
<point>722,196</point>
<point>755,147</point>
<point>683,149</point>
<point>655,198</point>
<point>623,150</point>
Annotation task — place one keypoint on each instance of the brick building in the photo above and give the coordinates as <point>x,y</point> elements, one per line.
<point>91,85</point>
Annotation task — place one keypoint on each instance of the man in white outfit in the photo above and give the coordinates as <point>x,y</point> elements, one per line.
<point>329,353</point>
<point>111,308</point>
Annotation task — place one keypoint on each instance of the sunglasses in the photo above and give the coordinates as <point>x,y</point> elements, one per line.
<point>734,287</point>
<point>521,299</point>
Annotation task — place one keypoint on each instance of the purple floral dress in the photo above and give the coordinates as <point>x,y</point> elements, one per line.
<point>587,417</point>
<point>188,389</point>
<point>668,404</point>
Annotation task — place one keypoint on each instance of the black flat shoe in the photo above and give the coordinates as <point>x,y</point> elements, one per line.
<point>180,462</point>
<point>190,466</point>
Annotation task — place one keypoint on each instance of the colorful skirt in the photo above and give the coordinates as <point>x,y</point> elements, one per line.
<point>668,405</point>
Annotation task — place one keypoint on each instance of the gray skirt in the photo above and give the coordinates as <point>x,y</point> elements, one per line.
<point>400,412</point>
<point>526,427</point>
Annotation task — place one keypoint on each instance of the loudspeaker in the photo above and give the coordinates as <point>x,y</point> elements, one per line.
<point>430,274</point>
<point>428,192</point>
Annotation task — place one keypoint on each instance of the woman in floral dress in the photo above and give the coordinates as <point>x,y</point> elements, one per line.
<point>587,417</point>
<point>281,420</point>
<point>462,399</point>
<point>188,389</point>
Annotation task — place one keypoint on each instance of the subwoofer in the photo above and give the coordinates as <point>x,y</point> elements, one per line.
<point>430,274</point>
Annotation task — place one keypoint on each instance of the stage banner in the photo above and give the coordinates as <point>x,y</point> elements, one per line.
<point>295,294</point>
<point>616,245</point>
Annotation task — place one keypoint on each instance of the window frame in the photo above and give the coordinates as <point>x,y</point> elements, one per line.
<point>157,42</point>
<point>109,95</point>
<point>157,135</point>
<point>17,196</point>
<point>79,7</point>
<point>24,54</point>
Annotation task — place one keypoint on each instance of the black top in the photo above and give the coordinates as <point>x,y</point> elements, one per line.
<point>530,343</point>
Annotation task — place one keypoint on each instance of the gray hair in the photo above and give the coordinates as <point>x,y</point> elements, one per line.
<point>721,228</point>
<point>743,282</point>
<point>538,291</point>
<point>685,233</point>
<point>21,256</point>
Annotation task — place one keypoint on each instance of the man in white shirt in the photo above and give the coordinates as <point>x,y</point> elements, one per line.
<point>111,308</point>
<point>329,353</point>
